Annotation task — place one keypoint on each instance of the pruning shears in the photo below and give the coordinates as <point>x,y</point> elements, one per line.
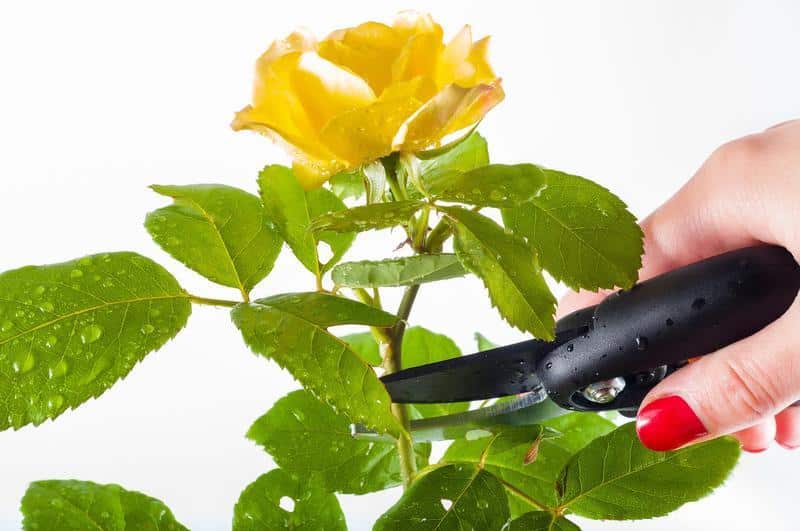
<point>606,357</point>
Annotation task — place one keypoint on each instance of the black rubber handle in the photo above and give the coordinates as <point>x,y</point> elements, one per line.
<point>645,333</point>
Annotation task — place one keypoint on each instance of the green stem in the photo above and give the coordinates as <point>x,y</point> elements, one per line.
<point>318,278</point>
<point>212,302</point>
<point>438,236</point>
<point>420,229</point>
<point>380,334</point>
<point>392,362</point>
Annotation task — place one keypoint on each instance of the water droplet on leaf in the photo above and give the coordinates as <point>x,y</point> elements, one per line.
<point>59,369</point>
<point>91,333</point>
<point>55,402</point>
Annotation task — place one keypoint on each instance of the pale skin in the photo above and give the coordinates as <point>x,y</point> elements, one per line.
<point>747,192</point>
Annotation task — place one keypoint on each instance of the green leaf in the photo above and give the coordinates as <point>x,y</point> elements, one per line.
<point>453,497</point>
<point>584,234</point>
<point>471,153</point>
<point>219,231</point>
<point>347,184</point>
<point>291,209</point>
<point>368,217</point>
<point>364,345</point>
<point>421,346</point>
<point>308,507</point>
<point>483,343</point>
<point>542,521</point>
<point>72,504</point>
<point>306,437</point>
<point>323,363</point>
<point>496,185</point>
<point>464,155</point>
<point>504,455</point>
<point>616,478</point>
<point>69,331</point>
<point>326,309</point>
<point>509,270</point>
<point>417,269</point>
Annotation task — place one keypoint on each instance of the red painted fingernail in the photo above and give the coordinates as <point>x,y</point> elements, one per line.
<point>668,423</point>
<point>754,450</point>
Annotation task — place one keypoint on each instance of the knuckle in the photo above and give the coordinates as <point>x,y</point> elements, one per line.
<point>746,152</point>
<point>750,389</point>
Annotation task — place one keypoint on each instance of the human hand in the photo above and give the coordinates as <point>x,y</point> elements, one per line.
<point>747,192</point>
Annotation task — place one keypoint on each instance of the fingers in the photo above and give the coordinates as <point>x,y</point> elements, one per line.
<point>787,424</point>
<point>745,193</point>
<point>732,389</point>
<point>758,438</point>
<point>730,203</point>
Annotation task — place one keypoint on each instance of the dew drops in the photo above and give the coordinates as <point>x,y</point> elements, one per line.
<point>85,261</point>
<point>59,369</point>
<point>642,343</point>
<point>287,504</point>
<point>496,195</point>
<point>55,402</point>
<point>147,329</point>
<point>46,306</point>
<point>6,326</point>
<point>570,347</point>
<point>548,365</point>
<point>97,369</point>
<point>482,504</point>
<point>91,333</point>
<point>23,362</point>
<point>51,341</point>
<point>75,273</point>
<point>39,290</point>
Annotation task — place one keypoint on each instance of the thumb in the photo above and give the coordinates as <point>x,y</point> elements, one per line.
<point>726,391</point>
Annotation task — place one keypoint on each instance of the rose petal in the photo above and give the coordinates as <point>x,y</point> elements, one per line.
<point>366,134</point>
<point>301,40</point>
<point>327,90</point>
<point>367,50</point>
<point>408,23</point>
<point>276,108</point>
<point>464,62</point>
<point>452,109</point>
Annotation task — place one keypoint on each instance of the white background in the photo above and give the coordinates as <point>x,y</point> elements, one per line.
<point>98,100</point>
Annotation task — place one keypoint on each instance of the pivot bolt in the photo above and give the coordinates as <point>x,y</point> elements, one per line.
<point>604,391</point>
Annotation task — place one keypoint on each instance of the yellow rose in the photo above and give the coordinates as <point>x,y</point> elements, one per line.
<point>365,92</point>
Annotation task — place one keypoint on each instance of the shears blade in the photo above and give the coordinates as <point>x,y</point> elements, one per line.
<point>503,371</point>
<point>524,410</point>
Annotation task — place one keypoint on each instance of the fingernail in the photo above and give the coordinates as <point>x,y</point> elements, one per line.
<point>668,423</point>
<point>754,450</point>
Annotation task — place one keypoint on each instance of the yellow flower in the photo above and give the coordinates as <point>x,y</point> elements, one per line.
<point>365,92</point>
